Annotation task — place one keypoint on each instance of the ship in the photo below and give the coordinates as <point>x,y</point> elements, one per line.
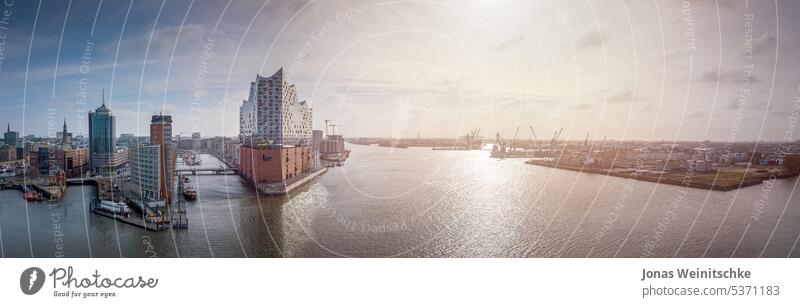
<point>117,208</point>
<point>189,193</point>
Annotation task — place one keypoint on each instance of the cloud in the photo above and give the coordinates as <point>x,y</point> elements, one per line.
<point>747,104</point>
<point>505,45</point>
<point>763,44</point>
<point>726,76</point>
<point>725,4</point>
<point>590,38</point>
<point>696,115</point>
<point>623,96</point>
<point>190,36</point>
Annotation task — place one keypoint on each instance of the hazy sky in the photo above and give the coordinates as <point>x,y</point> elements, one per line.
<point>687,70</point>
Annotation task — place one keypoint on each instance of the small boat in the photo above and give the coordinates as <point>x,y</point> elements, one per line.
<point>32,196</point>
<point>119,208</point>
<point>189,192</point>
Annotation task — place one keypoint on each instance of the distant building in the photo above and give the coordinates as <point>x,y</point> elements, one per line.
<point>127,140</point>
<point>161,134</point>
<point>8,153</point>
<point>755,158</point>
<point>11,137</point>
<point>196,140</point>
<point>316,139</point>
<point>235,153</point>
<point>792,163</point>
<point>64,136</point>
<point>73,161</point>
<point>272,114</point>
<point>186,144</point>
<point>704,153</point>
<point>701,166</point>
<point>43,162</point>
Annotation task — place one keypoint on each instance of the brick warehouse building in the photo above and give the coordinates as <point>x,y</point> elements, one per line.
<point>271,164</point>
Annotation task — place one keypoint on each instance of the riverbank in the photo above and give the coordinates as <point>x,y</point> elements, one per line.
<point>285,187</point>
<point>720,180</point>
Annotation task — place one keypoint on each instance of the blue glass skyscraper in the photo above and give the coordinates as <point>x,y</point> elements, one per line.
<point>102,139</point>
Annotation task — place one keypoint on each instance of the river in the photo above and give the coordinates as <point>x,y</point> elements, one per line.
<point>416,202</point>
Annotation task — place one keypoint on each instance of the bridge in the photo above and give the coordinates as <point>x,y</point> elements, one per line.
<point>86,180</point>
<point>208,171</point>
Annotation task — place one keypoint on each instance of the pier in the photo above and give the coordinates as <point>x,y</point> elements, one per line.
<point>284,187</point>
<point>135,221</point>
<point>149,218</point>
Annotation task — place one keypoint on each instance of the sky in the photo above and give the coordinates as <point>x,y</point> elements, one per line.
<point>723,70</point>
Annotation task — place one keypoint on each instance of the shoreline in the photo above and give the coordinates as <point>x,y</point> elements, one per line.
<point>717,185</point>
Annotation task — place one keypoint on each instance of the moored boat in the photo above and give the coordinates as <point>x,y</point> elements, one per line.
<point>189,192</point>
<point>118,208</point>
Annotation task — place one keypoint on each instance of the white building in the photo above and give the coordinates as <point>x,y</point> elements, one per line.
<point>145,163</point>
<point>272,114</point>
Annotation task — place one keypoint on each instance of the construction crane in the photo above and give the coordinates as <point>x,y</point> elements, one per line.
<point>535,141</point>
<point>500,144</point>
<point>514,140</point>
<point>558,137</point>
<point>586,141</point>
<point>470,137</point>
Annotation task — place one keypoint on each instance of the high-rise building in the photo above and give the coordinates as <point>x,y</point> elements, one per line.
<point>274,132</point>
<point>272,114</point>
<point>161,134</point>
<point>102,130</point>
<point>145,165</point>
<point>11,138</point>
<point>103,156</point>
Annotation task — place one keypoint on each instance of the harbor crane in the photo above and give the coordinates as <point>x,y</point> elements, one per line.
<point>514,140</point>
<point>536,142</point>
<point>556,135</point>
<point>500,144</point>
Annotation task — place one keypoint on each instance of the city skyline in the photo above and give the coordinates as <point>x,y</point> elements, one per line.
<point>474,64</point>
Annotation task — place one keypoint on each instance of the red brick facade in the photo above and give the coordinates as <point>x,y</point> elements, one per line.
<point>270,165</point>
